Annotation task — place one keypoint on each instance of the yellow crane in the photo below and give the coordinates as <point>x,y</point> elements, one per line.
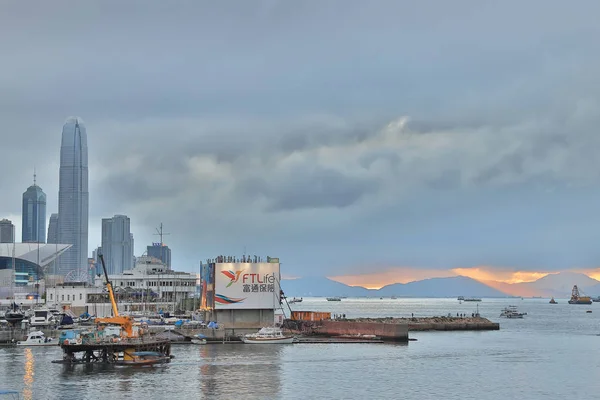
<point>125,321</point>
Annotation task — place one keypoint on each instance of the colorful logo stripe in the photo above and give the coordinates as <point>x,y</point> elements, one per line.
<point>222,299</point>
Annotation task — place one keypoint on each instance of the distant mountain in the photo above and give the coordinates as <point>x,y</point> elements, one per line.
<point>558,285</point>
<point>321,287</point>
<point>441,287</point>
<point>434,287</point>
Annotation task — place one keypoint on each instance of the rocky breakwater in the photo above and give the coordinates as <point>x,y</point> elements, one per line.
<point>437,323</point>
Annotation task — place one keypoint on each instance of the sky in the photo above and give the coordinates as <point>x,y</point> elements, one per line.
<point>382,142</point>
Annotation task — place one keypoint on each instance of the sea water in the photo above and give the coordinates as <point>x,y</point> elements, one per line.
<point>553,353</point>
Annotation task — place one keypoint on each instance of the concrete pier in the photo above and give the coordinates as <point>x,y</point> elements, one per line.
<point>439,323</point>
<point>387,332</point>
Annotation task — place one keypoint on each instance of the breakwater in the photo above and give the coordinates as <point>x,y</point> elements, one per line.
<point>438,323</point>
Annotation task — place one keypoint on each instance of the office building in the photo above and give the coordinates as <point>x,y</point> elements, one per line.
<point>160,251</point>
<point>73,197</point>
<point>34,215</point>
<point>7,231</point>
<point>117,244</point>
<point>53,229</point>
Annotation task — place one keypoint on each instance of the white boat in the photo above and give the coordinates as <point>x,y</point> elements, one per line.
<point>199,339</point>
<point>512,312</point>
<point>42,317</point>
<point>268,335</point>
<point>295,300</point>
<point>37,338</point>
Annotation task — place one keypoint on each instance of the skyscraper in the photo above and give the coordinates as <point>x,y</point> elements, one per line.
<point>7,231</point>
<point>34,214</point>
<point>53,229</point>
<point>73,197</point>
<point>160,251</point>
<point>117,244</point>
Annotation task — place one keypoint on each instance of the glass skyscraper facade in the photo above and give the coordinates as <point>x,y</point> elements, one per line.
<point>7,231</point>
<point>53,229</point>
<point>34,215</point>
<point>160,251</point>
<point>73,197</point>
<point>117,244</point>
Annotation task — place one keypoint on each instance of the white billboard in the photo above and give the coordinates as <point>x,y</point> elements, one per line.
<point>247,285</point>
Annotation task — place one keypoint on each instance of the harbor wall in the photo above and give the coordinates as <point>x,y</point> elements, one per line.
<point>387,332</point>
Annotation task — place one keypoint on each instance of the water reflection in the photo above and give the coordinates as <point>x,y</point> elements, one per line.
<point>28,377</point>
<point>227,370</point>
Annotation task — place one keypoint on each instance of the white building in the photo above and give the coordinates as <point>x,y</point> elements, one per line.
<point>150,277</point>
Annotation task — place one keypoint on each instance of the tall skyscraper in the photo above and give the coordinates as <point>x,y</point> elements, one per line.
<point>53,229</point>
<point>34,214</point>
<point>73,197</point>
<point>160,251</point>
<point>7,231</point>
<point>117,244</point>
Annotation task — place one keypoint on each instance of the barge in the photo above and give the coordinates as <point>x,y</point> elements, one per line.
<point>114,340</point>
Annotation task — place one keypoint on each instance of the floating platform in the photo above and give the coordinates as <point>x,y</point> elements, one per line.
<point>111,353</point>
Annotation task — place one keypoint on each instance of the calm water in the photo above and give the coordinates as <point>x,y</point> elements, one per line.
<point>553,353</point>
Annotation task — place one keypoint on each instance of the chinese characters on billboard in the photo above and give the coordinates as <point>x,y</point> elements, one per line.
<point>247,285</point>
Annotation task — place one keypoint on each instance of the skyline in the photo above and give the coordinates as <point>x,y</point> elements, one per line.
<point>407,144</point>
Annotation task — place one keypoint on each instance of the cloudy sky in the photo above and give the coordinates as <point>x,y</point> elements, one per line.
<point>401,138</point>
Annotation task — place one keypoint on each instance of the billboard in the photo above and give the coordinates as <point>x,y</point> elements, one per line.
<point>247,285</point>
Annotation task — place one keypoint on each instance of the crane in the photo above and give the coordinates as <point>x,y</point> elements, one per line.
<point>125,321</point>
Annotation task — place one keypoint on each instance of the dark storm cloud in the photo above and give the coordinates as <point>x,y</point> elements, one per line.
<point>275,123</point>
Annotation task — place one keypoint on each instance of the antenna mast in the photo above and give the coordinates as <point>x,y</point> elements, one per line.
<point>159,232</point>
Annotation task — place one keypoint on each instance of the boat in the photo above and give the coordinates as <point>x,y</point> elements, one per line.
<point>472,299</point>
<point>199,339</point>
<point>461,298</point>
<point>393,297</point>
<point>552,301</point>
<point>42,317</point>
<point>295,300</point>
<point>144,358</point>
<point>37,338</point>
<point>268,335</point>
<point>596,299</point>
<point>334,299</point>
<point>14,317</point>
<point>512,312</point>
<point>579,298</point>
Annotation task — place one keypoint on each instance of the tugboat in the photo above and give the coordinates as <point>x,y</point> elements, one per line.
<point>552,301</point>
<point>577,298</point>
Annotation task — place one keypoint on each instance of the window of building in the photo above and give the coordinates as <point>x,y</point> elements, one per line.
<point>80,296</point>
<point>68,297</point>
<point>62,297</point>
<point>50,296</point>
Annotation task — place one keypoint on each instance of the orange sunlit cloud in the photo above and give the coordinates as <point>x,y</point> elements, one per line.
<point>487,273</point>
<point>377,280</point>
<point>593,273</point>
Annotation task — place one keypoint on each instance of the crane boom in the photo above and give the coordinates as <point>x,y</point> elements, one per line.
<point>111,294</point>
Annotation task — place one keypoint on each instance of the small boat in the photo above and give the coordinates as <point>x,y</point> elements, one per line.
<point>393,297</point>
<point>144,358</point>
<point>295,300</point>
<point>199,339</point>
<point>461,298</point>
<point>472,299</point>
<point>589,311</point>
<point>268,335</point>
<point>511,312</point>
<point>334,299</point>
<point>14,317</point>
<point>37,338</point>
<point>596,299</point>
<point>552,301</point>
<point>42,317</point>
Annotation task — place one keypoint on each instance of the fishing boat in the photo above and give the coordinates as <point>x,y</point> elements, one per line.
<point>334,299</point>
<point>512,312</point>
<point>552,301</point>
<point>268,335</point>
<point>579,298</point>
<point>37,338</point>
<point>144,358</point>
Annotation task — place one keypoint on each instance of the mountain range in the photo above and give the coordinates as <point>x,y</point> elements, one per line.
<point>557,285</point>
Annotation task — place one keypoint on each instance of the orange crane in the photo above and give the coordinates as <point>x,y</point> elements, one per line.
<point>125,321</point>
